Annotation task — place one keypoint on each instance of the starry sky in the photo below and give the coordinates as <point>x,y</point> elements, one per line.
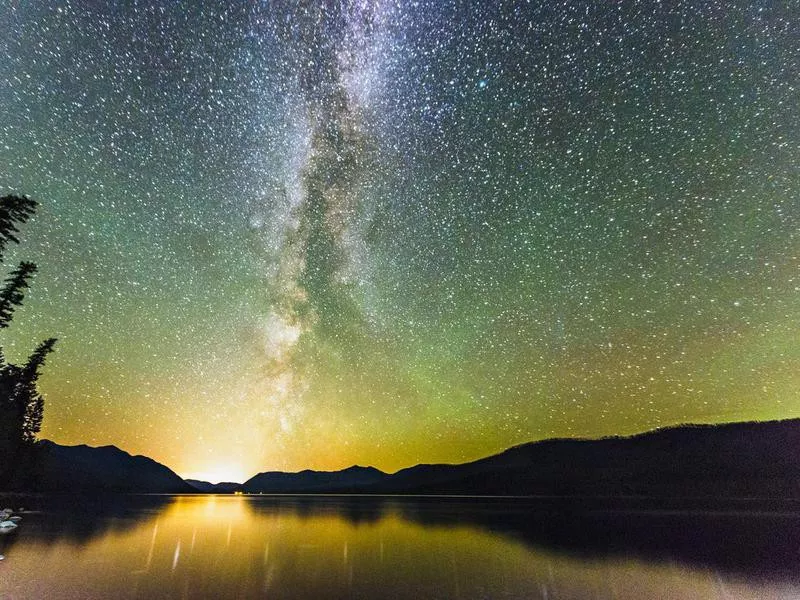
<point>287,235</point>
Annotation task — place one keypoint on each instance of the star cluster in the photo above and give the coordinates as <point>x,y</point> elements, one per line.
<point>301,234</point>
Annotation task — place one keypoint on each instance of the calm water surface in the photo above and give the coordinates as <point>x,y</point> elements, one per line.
<point>339,547</point>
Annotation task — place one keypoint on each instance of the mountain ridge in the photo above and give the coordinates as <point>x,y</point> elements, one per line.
<point>744,459</point>
<point>52,467</point>
<point>308,481</point>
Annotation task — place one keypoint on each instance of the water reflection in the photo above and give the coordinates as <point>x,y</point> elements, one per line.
<point>330,547</point>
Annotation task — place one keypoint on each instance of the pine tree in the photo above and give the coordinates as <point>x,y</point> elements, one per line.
<point>36,360</point>
<point>13,291</point>
<point>14,210</point>
<point>12,417</point>
<point>26,398</point>
<point>21,404</point>
<point>32,419</point>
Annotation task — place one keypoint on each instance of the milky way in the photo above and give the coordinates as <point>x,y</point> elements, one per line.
<point>320,238</point>
<point>300,234</point>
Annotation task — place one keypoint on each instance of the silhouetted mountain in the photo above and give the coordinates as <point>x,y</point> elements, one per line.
<point>224,487</point>
<point>55,468</point>
<point>345,481</point>
<point>734,460</point>
<point>738,459</point>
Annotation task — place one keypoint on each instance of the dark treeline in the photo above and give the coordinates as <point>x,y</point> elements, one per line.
<point>21,404</point>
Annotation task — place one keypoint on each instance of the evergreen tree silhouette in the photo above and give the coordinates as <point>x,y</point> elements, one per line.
<point>28,401</point>
<point>11,417</point>
<point>13,291</point>
<point>14,210</point>
<point>21,404</point>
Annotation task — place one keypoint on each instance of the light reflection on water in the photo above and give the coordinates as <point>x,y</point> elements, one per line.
<point>333,547</point>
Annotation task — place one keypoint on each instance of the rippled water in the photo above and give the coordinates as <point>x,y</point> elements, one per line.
<point>351,547</point>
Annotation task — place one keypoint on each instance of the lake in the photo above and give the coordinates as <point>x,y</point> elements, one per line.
<point>417,548</point>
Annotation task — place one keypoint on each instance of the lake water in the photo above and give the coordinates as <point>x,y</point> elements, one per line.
<point>355,547</point>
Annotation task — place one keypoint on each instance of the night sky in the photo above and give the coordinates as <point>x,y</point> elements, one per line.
<point>277,235</point>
